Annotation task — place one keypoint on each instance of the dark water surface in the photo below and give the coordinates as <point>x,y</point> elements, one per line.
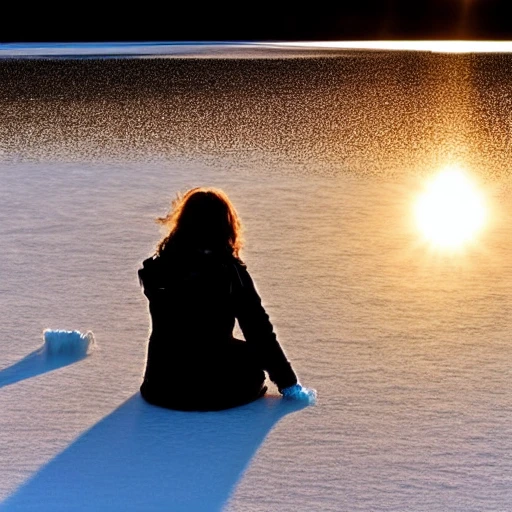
<point>369,112</point>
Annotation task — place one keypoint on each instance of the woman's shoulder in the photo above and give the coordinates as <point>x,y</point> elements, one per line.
<point>150,261</point>
<point>238,262</point>
<point>157,264</point>
<point>148,269</point>
<point>243,276</point>
<point>240,267</point>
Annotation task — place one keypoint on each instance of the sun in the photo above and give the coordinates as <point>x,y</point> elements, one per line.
<point>450,212</point>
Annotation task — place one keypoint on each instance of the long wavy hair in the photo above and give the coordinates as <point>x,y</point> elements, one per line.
<point>202,218</point>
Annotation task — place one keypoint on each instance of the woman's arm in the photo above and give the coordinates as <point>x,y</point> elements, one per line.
<point>259,331</point>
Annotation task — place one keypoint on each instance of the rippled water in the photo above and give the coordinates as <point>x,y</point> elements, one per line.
<point>323,155</point>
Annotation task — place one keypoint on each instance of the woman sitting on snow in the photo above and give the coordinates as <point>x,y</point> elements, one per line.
<point>197,287</point>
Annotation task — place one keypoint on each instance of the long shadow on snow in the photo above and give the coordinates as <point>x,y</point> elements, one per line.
<point>144,458</point>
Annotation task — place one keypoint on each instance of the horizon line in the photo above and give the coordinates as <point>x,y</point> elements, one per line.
<point>48,48</point>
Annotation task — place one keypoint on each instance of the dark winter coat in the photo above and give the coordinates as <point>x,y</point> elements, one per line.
<point>193,360</point>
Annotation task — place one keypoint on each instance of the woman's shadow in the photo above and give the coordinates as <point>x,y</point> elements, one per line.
<point>143,458</point>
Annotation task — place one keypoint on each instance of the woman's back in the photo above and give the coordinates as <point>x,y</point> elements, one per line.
<point>190,296</point>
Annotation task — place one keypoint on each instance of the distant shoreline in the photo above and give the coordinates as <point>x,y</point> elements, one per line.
<point>238,49</point>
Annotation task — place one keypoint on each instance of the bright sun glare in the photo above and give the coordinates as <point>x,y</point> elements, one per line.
<point>451,211</point>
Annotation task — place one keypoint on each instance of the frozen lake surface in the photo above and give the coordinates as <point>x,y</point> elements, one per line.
<point>323,154</point>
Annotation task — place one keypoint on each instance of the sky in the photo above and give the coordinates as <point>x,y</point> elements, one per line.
<point>188,21</point>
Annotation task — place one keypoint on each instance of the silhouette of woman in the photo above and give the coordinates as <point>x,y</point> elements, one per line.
<point>198,287</point>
